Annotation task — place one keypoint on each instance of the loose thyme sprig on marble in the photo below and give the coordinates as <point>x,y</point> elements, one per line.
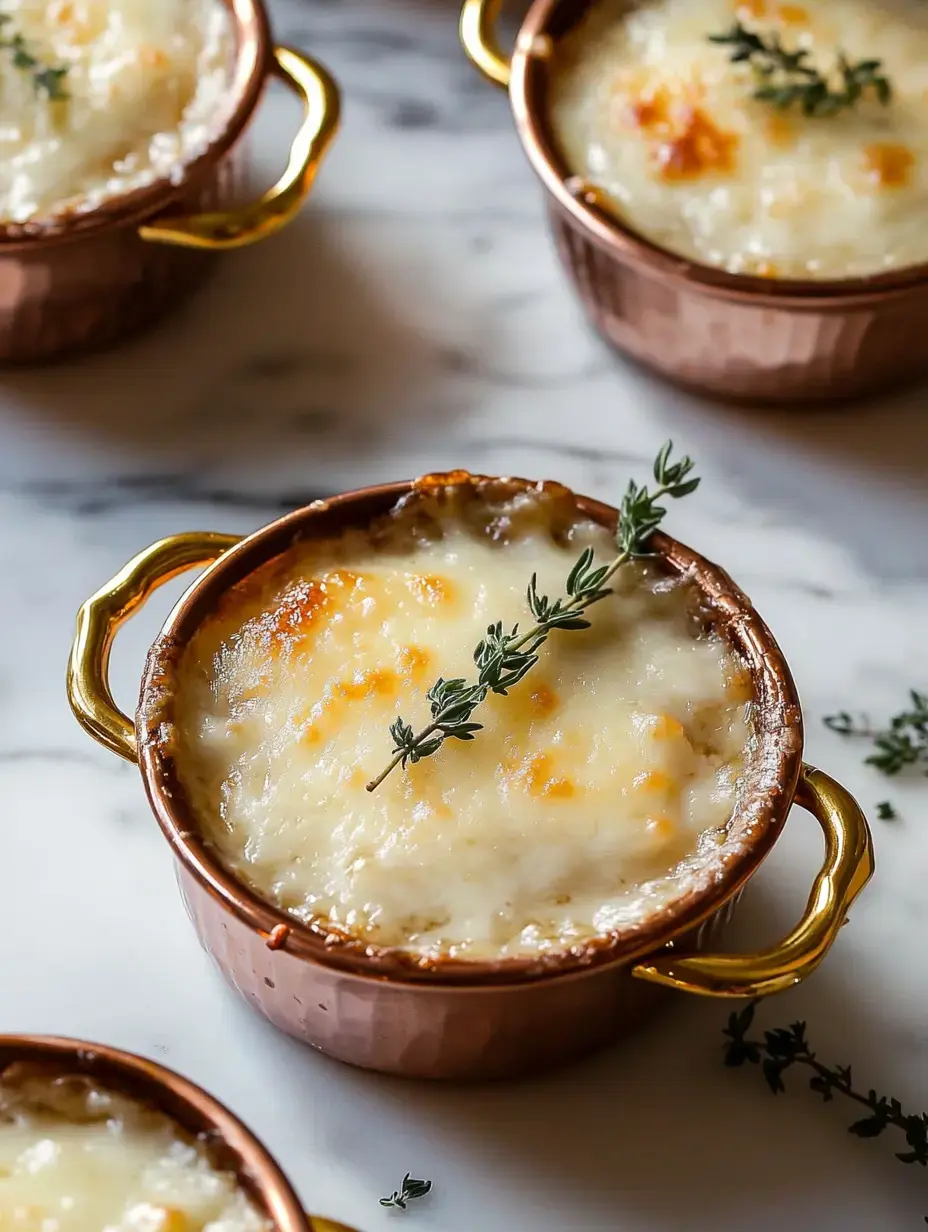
<point>784,1047</point>
<point>904,743</point>
<point>502,659</point>
<point>409,1190</point>
<point>46,79</point>
<point>785,77</point>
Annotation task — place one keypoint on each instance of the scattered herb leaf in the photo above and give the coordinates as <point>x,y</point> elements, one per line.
<point>502,658</point>
<point>409,1190</point>
<point>46,79</point>
<point>902,744</point>
<point>784,78</point>
<point>784,1047</point>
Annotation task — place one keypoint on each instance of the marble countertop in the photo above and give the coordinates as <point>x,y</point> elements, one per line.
<point>415,319</point>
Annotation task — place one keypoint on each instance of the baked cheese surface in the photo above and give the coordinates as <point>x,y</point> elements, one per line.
<point>650,113</point>
<point>75,1157</point>
<point>146,89</point>
<point>613,763</point>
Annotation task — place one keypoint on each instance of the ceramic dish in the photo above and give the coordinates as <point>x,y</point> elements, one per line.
<point>230,1145</point>
<point>81,280</point>
<point>456,1017</point>
<point>730,335</point>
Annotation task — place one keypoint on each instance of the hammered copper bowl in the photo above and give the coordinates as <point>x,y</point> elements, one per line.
<point>729,335</point>
<point>459,1019</point>
<point>231,1146</point>
<point>81,281</point>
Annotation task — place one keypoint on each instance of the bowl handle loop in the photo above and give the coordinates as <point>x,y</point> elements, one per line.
<point>249,223</point>
<point>847,869</point>
<point>103,613</point>
<point>478,34</point>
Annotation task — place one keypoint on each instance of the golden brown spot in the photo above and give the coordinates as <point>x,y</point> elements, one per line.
<point>544,699</point>
<point>63,12</point>
<point>888,166</point>
<point>791,14</point>
<point>153,56</point>
<point>780,129</point>
<point>295,613</point>
<point>666,727</point>
<point>413,661</point>
<point>430,591</point>
<point>170,1219</point>
<point>655,781</point>
<point>663,829</point>
<point>372,682</point>
<point>650,110</point>
<point>766,269</point>
<point>697,147</point>
<point>536,775</point>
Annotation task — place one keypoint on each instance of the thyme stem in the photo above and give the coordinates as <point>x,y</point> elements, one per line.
<point>502,659</point>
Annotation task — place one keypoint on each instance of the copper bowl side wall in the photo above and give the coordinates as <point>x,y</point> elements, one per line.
<point>448,1018</point>
<point>231,1145</point>
<point>439,1032</point>
<point>731,336</point>
<point>80,282</point>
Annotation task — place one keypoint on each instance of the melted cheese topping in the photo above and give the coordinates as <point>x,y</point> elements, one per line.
<point>574,811</point>
<point>77,1158</point>
<point>663,128</point>
<point>147,88</point>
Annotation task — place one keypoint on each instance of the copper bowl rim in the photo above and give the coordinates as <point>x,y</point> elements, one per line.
<point>626,244</point>
<point>235,1146</point>
<point>777,727</point>
<point>252,62</point>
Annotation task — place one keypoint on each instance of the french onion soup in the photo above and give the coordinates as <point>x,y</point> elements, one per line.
<point>782,140</point>
<point>77,1157</point>
<point>601,782</point>
<point>100,97</point>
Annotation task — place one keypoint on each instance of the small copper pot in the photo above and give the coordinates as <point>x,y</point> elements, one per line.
<point>729,335</point>
<point>80,281</point>
<point>232,1147</point>
<point>453,1018</point>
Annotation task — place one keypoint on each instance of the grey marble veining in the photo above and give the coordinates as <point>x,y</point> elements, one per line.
<point>414,319</point>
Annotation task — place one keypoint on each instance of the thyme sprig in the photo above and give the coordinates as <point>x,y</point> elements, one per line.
<point>784,1047</point>
<point>408,1191</point>
<point>503,658</point>
<point>46,79</point>
<point>784,78</point>
<point>904,743</point>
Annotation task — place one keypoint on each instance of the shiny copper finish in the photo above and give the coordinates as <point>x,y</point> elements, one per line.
<point>82,281</point>
<point>232,1146</point>
<point>452,1018</point>
<point>728,335</point>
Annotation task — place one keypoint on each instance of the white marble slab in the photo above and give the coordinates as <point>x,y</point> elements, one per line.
<point>415,319</point>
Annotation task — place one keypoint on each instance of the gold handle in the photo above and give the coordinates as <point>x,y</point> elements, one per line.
<point>847,869</point>
<point>318,1224</point>
<point>101,616</point>
<point>478,34</point>
<point>280,204</point>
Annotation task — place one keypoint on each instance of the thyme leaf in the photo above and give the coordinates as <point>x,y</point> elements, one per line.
<point>408,1191</point>
<point>784,1047</point>
<point>784,78</point>
<point>502,658</point>
<point>46,79</point>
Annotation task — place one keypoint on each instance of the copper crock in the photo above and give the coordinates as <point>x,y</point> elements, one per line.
<point>729,335</point>
<point>80,281</point>
<point>453,1018</point>
<point>231,1146</point>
